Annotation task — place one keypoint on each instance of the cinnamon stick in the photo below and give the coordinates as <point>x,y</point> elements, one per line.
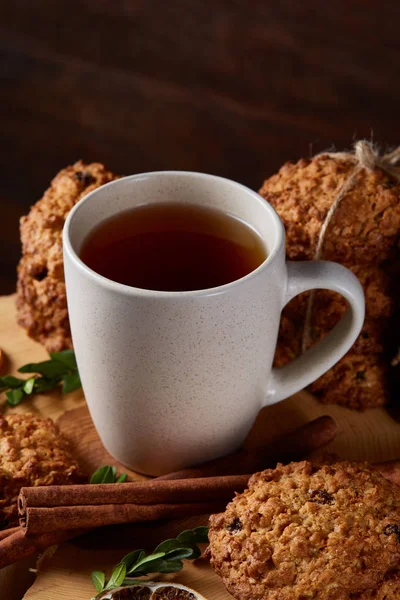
<point>138,492</point>
<point>4,533</point>
<point>49,508</point>
<point>18,546</point>
<point>294,445</point>
<point>55,519</point>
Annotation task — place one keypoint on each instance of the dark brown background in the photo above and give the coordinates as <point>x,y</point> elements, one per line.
<point>224,86</point>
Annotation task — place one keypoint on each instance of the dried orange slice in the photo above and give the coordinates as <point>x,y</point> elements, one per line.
<point>152,590</point>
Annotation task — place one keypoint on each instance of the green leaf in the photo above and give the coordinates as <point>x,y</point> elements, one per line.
<point>8,381</point>
<point>98,579</point>
<point>147,559</point>
<point>14,397</point>
<point>168,545</point>
<point>132,558</point>
<point>103,475</point>
<point>108,474</point>
<point>117,576</point>
<point>132,581</point>
<point>61,367</point>
<point>152,566</point>
<point>28,386</point>
<point>198,535</point>
<point>184,552</point>
<point>172,566</point>
<point>201,534</point>
<point>48,368</point>
<point>43,384</point>
<point>167,557</point>
<point>72,382</point>
<point>175,549</point>
<point>65,357</point>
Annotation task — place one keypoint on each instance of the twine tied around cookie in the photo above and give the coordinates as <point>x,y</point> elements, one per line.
<point>365,156</point>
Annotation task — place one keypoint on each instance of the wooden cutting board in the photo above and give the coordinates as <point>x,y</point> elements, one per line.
<point>373,435</point>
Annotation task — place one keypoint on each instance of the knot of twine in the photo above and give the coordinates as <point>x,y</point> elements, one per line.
<point>365,156</point>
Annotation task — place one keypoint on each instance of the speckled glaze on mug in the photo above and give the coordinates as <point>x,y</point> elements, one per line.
<point>177,378</point>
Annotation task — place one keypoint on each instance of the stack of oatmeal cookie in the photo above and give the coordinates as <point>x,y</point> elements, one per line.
<point>363,235</point>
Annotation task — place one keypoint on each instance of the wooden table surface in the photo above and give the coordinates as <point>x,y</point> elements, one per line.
<point>373,435</point>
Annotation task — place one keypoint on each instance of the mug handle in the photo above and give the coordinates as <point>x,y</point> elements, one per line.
<point>318,359</point>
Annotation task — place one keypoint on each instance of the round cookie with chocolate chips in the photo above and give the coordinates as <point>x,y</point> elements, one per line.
<point>308,531</point>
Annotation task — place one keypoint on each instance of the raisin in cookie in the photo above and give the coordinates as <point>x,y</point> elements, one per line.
<point>307,531</point>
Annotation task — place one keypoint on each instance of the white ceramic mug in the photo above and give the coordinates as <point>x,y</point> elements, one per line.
<point>177,378</point>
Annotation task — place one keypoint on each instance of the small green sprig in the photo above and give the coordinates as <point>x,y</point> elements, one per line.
<point>108,474</point>
<point>166,558</point>
<point>61,368</point>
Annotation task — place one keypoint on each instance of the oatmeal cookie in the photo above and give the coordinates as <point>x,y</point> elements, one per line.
<point>32,452</point>
<point>363,235</point>
<point>308,531</point>
<point>365,229</point>
<point>388,589</point>
<point>329,307</point>
<point>41,299</point>
<point>356,381</point>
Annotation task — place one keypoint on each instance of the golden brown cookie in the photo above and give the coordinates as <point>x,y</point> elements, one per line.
<point>366,226</point>
<point>308,531</point>
<point>32,452</point>
<point>356,381</point>
<point>364,235</point>
<point>41,299</point>
<point>388,589</point>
